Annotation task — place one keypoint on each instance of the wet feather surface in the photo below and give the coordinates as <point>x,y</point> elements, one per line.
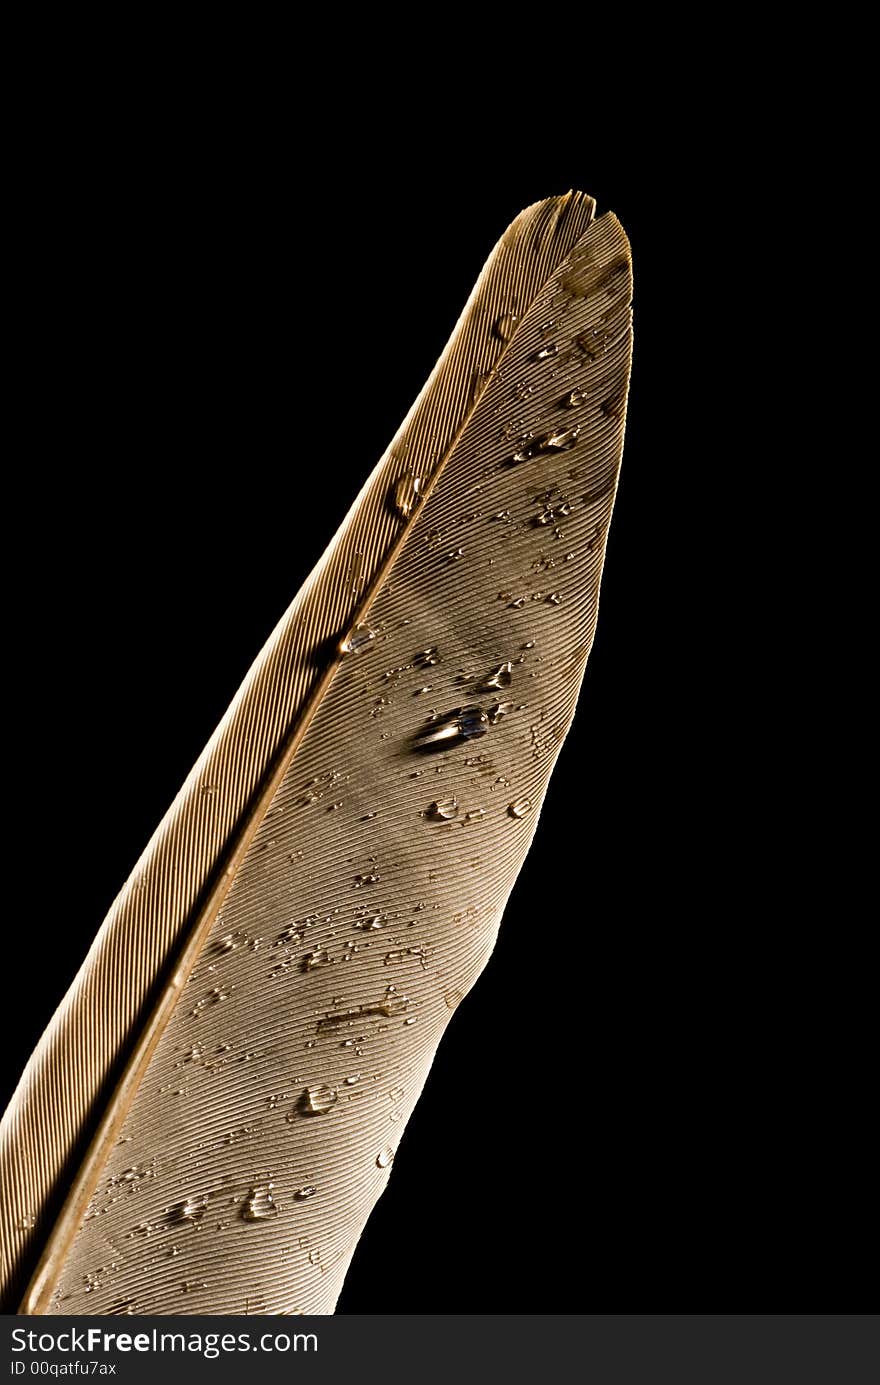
<point>336,867</point>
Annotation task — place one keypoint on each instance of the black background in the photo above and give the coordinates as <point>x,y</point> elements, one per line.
<point>219,340</point>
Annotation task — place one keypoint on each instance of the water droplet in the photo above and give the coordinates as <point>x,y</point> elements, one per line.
<point>318,1100</point>
<point>442,810</point>
<point>558,440</point>
<point>426,658</point>
<point>302,1193</point>
<point>259,1204</point>
<point>369,925</point>
<point>475,815</point>
<point>499,710</point>
<point>407,494</point>
<point>360,638</point>
<point>314,1257</point>
<point>191,1209</point>
<point>26,1222</point>
<point>546,351</point>
<point>315,959</point>
<point>505,326</point>
<point>574,399</point>
<point>552,514</point>
<point>519,807</point>
<point>411,1020</point>
<point>353,1080</point>
<point>500,678</point>
<point>214,997</point>
<point>455,555</point>
<point>384,1157</point>
<point>553,599</point>
<point>463,723</point>
<point>369,878</point>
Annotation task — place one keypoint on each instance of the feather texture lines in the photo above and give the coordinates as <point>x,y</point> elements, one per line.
<point>250,1031</point>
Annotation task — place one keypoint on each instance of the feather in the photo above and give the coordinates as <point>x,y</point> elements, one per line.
<point>216,1104</point>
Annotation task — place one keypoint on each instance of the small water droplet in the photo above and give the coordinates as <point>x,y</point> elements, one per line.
<point>505,326</point>
<point>318,1100</point>
<point>475,815</point>
<point>442,810</point>
<point>407,494</point>
<point>259,1204</point>
<point>360,638</point>
<point>553,599</point>
<point>455,555</point>
<point>314,1257</point>
<point>384,1157</point>
<point>369,878</point>
<point>191,1209</point>
<point>426,658</point>
<point>501,677</point>
<point>315,959</point>
<point>499,710</point>
<point>369,925</point>
<point>546,351</point>
<point>519,808</point>
<point>353,1080</point>
<point>27,1222</point>
<point>557,440</point>
<point>411,1020</point>
<point>302,1193</point>
<point>574,399</point>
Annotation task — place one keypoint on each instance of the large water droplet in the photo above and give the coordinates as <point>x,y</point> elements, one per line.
<point>259,1204</point>
<point>520,807</point>
<point>407,494</point>
<point>442,810</point>
<point>505,326</point>
<point>360,638</point>
<point>384,1157</point>
<point>463,723</point>
<point>318,1100</point>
